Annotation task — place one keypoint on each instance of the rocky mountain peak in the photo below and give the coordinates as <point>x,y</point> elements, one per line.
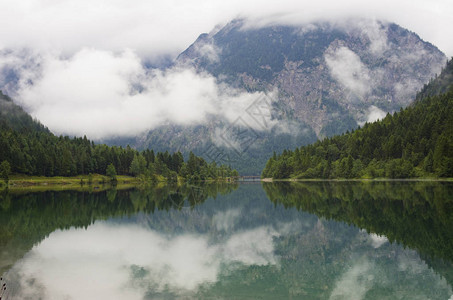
<point>330,75</point>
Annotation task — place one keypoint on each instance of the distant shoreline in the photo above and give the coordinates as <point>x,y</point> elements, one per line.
<point>357,179</point>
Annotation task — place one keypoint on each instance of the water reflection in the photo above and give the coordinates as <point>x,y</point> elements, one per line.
<point>135,245</point>
<point>27,218</point>
<point>417,214</point>
<point>109,261</point>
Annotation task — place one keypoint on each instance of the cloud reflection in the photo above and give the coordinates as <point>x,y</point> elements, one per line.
<point>109,261</point>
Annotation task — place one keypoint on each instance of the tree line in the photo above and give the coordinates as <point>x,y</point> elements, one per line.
<point>43,154</point>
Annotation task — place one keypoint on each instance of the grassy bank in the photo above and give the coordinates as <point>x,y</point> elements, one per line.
<point>81,182</point>
<point>95,182</point>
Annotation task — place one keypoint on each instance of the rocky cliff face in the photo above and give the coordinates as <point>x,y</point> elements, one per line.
<point>328,75</point>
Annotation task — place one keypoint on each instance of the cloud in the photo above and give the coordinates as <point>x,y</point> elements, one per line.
<point>377,240</point>
<point>159,28</point>
<point>374,114</point>
<point>355,282</point>
<point>18,65</point>
<point>209,51</point>
<point>226,220</point>
<point>128,262</point>
<point>78,65</point>
<point>373,29</point>
<point>105,94</point>
<point>347,68</point>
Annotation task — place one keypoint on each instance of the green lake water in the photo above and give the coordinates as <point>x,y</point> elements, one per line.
<point>312,240</point>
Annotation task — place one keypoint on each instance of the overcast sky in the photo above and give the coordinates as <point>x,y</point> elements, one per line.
<point>84,58</point>
<point>166,27</point>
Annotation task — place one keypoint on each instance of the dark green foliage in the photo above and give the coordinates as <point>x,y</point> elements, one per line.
<point>111,172</point>
<point>415,142</point>
<point>5,170</point>
<point>138,165</point>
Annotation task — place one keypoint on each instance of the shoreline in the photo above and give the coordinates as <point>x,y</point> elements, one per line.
<point>79,183</point>
<point>18,183</point>
<point>358,179</point>
<point>25,183</point>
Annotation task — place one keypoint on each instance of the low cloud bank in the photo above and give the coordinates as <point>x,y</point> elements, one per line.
<point>103,94</point>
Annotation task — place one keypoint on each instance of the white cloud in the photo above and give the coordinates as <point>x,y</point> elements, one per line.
<point>347,68</point>
<point>377,240</point>
<point>374,114</point>
<point>252,247</point>
<point>355,282</point>
<point>160,27</point>
<point>226,220</point>
<point>209,51</point>
<point>104,94</point>
<point>373,29</point>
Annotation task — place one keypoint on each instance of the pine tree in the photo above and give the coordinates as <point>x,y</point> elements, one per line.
<point>138,165</point>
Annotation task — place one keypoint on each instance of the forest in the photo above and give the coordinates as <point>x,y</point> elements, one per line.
<point>415,142</point>
<point>27,147</point>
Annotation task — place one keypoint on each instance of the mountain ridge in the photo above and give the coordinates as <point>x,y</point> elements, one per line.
<point>309,66</point>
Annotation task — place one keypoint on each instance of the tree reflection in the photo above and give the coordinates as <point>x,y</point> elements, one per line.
<point>416,214</point>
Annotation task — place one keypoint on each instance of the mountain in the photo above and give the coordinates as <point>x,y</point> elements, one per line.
<point>321,79</point>
<point>415,142</point>
<point>327,74</point>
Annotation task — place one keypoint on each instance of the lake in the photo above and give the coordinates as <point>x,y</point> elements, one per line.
<point>304,240</point>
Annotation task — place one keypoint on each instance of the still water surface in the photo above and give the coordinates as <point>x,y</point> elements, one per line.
<point>317,240</point>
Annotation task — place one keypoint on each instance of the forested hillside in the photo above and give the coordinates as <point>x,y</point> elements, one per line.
<point>27,147</point>
<point>415,142</point>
